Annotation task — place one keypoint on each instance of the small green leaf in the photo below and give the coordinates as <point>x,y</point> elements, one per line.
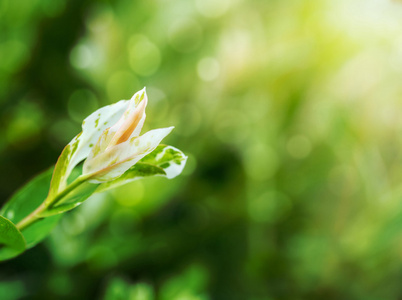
<point>139,170</point>
<point>169,158</point>
<point>12,242</point>
<point>26,200</point>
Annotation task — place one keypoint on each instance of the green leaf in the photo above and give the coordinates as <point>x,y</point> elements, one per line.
<point>26,200</point>
<point>39,230</point>
<point>12,242</point>
<point>165,161</point>
<point>169,158</point>
<point>139,170</point>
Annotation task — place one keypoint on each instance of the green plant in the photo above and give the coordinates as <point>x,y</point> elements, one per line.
<point>113,153</point>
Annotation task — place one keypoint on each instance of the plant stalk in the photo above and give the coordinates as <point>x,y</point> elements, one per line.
<point>36,214</point>
<point>31,218</point>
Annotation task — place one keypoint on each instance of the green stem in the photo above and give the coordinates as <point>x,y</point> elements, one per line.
<point>36,214</point>
<point>76,183</point>
<point>31,218</point>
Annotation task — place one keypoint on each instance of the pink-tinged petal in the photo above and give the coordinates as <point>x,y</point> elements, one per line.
<point>133,103</point>
<point>130,121</point>
<point>81,145</point>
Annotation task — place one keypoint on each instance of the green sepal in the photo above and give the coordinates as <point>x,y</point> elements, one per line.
<point>139,170</point>
<point>12,242</point>
<point>60,170</point>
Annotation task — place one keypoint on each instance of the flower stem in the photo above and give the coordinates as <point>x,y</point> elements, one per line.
<point>31,218</point>
<point>49,202</point>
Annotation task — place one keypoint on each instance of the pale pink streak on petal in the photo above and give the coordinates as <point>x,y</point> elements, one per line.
<point>129,125</point>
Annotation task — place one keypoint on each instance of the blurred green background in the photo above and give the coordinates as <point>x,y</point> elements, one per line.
<point>288,111</point>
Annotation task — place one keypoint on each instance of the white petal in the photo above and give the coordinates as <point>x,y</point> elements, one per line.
<point>80,146</point>
<point>92,128</point>
<point>103,118</point>
<point>132,105</point>
<point>118,159</point>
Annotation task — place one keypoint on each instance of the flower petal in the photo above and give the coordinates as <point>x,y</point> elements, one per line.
<point>94,125</point>
<point>81,145</point>
<point>115,161</point>
<point>130,124</point>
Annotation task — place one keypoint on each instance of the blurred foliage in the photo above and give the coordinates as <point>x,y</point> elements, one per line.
<point>288,111</point>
